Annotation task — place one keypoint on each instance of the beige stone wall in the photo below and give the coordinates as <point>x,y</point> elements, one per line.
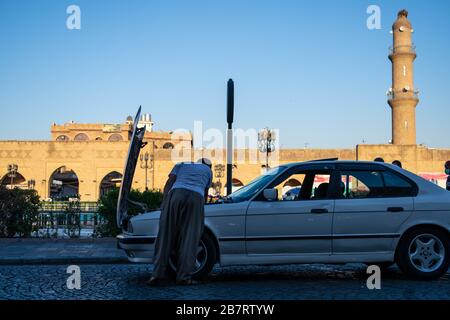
<point>93,131</point>
<point>415,158</point>
<point>93,160</point>
<point>160,138</point>
<point>105,131</point>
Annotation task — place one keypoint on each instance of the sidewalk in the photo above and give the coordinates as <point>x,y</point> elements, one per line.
<point>60,251</point>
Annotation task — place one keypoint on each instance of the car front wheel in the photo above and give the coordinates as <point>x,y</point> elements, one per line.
<point>424,253</point>
<point>206,258</point>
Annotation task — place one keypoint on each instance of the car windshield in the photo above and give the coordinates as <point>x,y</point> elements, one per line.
<point>249,190</point>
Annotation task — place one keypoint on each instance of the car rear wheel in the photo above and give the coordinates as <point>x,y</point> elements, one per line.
<point>424,253</point>
<point>206,258</point>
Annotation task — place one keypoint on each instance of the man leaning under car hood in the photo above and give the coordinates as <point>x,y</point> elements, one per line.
<point>182,221</point>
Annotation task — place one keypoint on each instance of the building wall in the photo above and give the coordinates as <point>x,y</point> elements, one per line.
<point>93,131</point>
<point>93,160</point>
<point>415,158</point>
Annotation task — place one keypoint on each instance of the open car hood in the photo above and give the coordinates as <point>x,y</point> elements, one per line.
<point>136,144</point>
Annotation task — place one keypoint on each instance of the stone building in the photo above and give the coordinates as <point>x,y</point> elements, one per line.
<point>88,159</point>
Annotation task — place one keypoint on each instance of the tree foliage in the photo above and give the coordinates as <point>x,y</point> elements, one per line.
<point>108,208</point>
<point>19,210</point>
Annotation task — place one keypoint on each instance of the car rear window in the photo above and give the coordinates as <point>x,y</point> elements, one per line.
<point>374,184</point>
<point>396,186</point>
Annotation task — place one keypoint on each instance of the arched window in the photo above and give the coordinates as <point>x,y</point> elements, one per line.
<point>115,137</point>
<point>62,138</point>
<point>81,137</point>
<point>168,145</point>
<point>110,181</point>
<point>63,184</point>
<point>14,180</point>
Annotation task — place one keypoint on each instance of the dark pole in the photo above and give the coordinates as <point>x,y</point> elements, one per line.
<point>144,165</point>
<point>230,115</point>
<point>146,175</point>
<point>146,170</point>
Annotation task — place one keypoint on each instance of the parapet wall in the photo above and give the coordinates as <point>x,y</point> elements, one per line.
<point>93,160</point>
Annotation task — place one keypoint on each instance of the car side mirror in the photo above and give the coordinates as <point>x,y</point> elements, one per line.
<point>270,194</point>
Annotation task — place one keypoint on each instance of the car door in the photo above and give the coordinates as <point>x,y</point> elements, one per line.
<point>371,206</point>
<point>297,227</point>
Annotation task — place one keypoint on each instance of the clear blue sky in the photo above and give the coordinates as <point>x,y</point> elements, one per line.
<point>310,68</point>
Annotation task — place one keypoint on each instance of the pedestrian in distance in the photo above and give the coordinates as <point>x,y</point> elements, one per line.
<point>447,172</point>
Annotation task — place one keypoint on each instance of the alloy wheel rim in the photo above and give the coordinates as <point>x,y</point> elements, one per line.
<point>426,253</point>
<point>200,262</point>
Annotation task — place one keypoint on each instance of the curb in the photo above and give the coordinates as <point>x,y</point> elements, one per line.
<point>68,260</point>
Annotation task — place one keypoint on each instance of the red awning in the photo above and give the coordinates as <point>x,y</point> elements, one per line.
<point>433,176</point>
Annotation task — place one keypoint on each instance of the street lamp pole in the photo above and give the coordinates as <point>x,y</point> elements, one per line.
<point>230,116</point>
<point>266,143</point>
<point>12,173</point>
<point>146,163</point>
<point>31,184</point>
<point>219,169</point>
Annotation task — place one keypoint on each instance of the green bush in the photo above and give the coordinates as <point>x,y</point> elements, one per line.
<point>19,210</point>
<point>108,208</point>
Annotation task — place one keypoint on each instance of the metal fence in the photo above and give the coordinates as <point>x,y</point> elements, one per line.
<point>60,206</point>
<point>55,221</point>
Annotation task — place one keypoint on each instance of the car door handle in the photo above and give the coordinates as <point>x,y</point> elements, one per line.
<point>395,209</point>
<point>319,210</point>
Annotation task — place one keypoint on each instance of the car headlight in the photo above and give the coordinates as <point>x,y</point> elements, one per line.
<point>130,227</point>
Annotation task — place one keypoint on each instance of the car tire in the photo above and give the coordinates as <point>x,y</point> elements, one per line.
<point>208,257</point>
<point>424,253</point>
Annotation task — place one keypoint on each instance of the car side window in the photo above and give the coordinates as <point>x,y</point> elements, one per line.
<point>396,186</point>
<point>361,184</point>
<point>303,185</point>
<point>374,184</point>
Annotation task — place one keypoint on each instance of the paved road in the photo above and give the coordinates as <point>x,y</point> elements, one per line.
<point>47,251</point>
<point>126,281</point>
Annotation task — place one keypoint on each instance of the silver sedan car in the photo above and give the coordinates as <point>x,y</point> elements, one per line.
<point>346,211</point>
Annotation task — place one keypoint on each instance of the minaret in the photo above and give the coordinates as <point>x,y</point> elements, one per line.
<point>402,96</point>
